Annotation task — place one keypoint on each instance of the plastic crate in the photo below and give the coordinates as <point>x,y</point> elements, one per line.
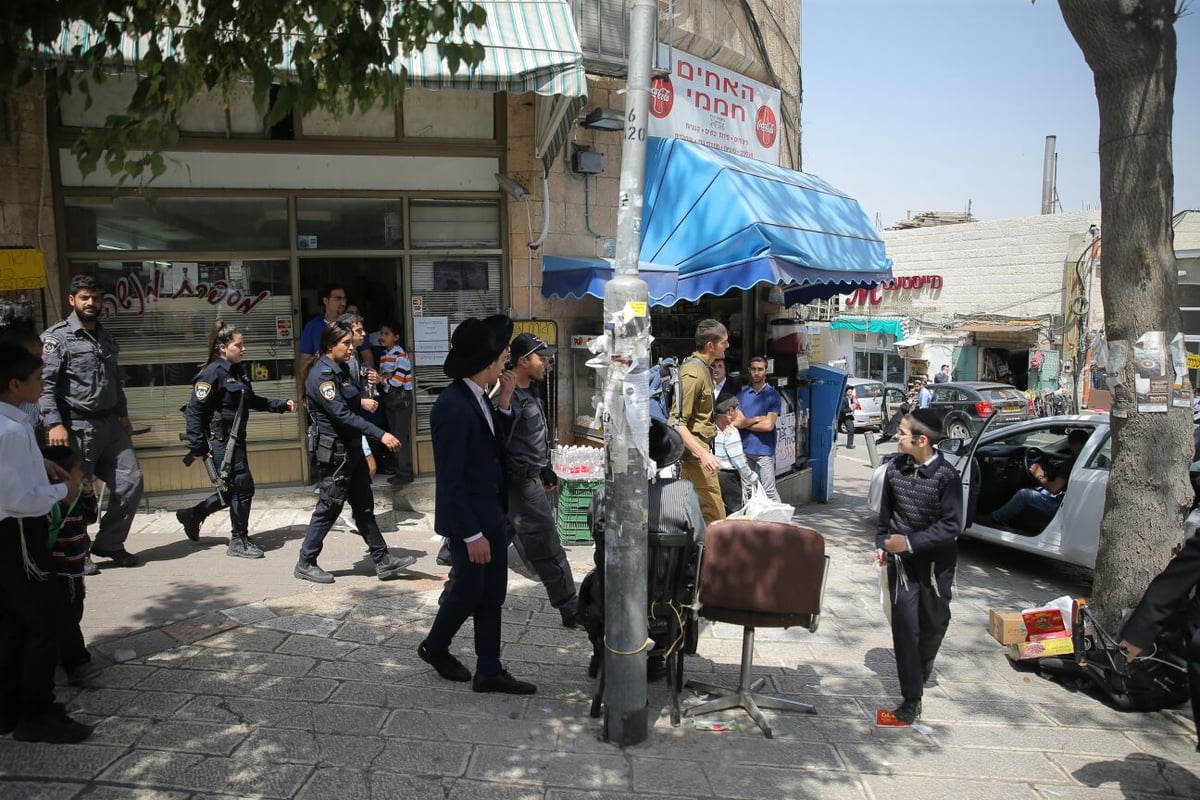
<point>578,489</point>
<point>573,527</point>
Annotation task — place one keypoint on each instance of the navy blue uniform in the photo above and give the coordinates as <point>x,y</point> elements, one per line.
<point>211,412</point>
<point>333,403</point>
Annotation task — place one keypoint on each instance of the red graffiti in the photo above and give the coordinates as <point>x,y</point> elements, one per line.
<point>874,295</point>
<point>130,294</point>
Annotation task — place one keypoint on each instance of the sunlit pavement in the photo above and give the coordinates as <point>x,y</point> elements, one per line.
<point>229,678</point>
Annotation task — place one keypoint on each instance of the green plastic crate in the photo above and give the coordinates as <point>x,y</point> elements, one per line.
<point>573,527</point>
<point>578,489</point>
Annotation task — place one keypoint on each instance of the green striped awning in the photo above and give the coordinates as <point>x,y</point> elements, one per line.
<point>889,325</point>
<point>529,45</point>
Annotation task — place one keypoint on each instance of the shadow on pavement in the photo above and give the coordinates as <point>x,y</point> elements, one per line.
<point>1139,774</point>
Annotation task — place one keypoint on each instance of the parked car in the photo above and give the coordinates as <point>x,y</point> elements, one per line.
<point>962,407</point>
<point>868,410</point>
<point>1000,462</point>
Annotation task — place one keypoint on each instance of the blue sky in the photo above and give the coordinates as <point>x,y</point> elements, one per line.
<point>924,105</point>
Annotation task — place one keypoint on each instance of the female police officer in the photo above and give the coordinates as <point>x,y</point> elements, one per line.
<point>336,440</point>
<point>216,429</point>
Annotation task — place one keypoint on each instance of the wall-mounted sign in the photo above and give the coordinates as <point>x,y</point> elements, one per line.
<point>904,283</point>
<point>22,269</point>
<point>283,328</point>
<point>544,329</point>
<point>714,106</point>
<point>418,305</point>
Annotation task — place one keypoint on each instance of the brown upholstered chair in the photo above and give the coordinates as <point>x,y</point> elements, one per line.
<point>759,575</point>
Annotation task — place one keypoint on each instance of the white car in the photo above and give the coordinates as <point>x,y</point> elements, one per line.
<point>1001,460</point>
<point>868,407</point>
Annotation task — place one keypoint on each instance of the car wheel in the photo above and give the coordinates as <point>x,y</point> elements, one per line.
<point>957,429</point>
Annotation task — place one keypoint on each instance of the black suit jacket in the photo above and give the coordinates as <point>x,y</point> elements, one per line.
<point>1167,593</point>
<point>469,465</point>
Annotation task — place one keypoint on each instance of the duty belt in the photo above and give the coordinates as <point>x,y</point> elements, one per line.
<point>329,449</point>
<point>79,413</point>
<point>522,471</point>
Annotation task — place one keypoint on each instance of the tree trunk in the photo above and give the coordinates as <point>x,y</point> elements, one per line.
<point>1130,47</point>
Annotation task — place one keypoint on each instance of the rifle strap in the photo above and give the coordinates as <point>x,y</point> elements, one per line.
<point>238,418</point>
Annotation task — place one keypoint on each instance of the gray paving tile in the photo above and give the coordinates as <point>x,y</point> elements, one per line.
<point>306,624</point>
<point>670,777</point>
<point>259,640</point>
<point>916,756</point>
<point>141,702</point>
<point>462,701</point>
<point>101,792</point>
<point>316,647</point>
<point>444,726</point>
<point>38,790</point>
<point>426,758</point>
<point>194,737</point>
<point>1138,772</point>
<point>1049,739</point>
<point>237,663</point>
<point>479,790</point>
<point>61,762</point>
<point>758,783</point>
<point>180,771</point>
<point>306,747</point>
<point>249,614</point>
<point>244,710</point>
<point>120,676</point>
<point>363,633</point>
<point>929,787</point>
<point>114,730</point>
<point>610,773</point>
<point>243,685</point>
<point>366,672</point>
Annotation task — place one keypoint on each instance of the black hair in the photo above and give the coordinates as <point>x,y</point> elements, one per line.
<point>394,326</point>
<point>757,360</point>
<point>63,455</point>
<point>334,333</point>
<point>221,333</point>
<point>1078,435</point>
<point>80,282</point>
<point>24,335</point>
<point>16,364</point>
<point>329,289</point>
<point>350,319</point>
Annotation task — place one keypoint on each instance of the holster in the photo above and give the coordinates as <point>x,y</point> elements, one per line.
<point>218,429</point>
<point>329,449</point>
<point>335,487</point>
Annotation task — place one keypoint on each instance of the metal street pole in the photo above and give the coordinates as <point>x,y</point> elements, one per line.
<point>627,322</point>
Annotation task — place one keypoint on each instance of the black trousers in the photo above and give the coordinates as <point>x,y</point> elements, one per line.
<point>357,480</point>
<point>920,589</point>
<point>536,538</point>
<point>73,652</point>
<point>730,481</point>
<point>31,613</point>
<point>473,590</point>
<point>241,488</point>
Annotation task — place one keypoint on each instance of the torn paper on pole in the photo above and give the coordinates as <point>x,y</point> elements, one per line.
<point>1153,376</point>
<point>1181,388</point>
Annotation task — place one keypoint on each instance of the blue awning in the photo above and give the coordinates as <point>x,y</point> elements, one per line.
<point>721,221</point>
<point>564,276</point>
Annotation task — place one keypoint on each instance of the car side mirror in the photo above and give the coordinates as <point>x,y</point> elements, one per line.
<point>951,446</point>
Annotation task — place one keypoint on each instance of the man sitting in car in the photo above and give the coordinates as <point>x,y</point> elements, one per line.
<point>1051,475</point>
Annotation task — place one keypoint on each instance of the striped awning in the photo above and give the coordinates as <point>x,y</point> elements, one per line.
<point>529,46</point>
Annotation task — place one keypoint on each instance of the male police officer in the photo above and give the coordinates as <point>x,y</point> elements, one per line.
<point>529,476</point>
<point>83,404</point>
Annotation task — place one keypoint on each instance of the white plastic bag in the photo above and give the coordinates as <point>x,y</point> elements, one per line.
<point>761,507</point>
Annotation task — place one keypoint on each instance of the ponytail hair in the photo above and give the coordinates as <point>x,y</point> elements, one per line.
<point>221,334</point>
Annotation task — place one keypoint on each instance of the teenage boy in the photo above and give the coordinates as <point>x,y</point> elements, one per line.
<point>30,605</point>
<point>920,518</point>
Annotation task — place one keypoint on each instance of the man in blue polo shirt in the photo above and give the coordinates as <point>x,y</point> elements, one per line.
<point>333,300</point>
<point>761,406</point>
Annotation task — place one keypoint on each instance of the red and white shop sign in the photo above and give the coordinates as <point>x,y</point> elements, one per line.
<point>713,106</point>
<point>875,295</point>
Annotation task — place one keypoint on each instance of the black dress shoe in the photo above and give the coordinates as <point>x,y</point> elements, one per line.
<point>908,712</point>
<point>52,729</point>
<point>191,525</point>
<point>89,567</point>
<point>656,668</point>
<point>117,558</point>
<point>392,567</point>
<point>311,572</point>
<point>570,616</point>
<point>446,665</point>
<point>443,556</point>
<point>501,682</point>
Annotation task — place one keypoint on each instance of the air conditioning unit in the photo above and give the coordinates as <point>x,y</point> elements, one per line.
<point>603,31</point>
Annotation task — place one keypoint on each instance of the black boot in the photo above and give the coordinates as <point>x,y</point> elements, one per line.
<point>908,712</point>
<point>191,525</point>
<point>240,546</point>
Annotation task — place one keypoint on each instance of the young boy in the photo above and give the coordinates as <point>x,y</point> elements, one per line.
<point>920,518</point>
<point>69,544</point>
<point>30,607</point>
<point>395,369</point>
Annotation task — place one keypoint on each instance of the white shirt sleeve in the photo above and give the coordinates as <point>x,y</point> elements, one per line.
<point>25,491</point>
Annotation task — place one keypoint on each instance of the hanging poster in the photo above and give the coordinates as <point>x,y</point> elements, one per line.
<point>1181,388</point>
<point>1153,373</point>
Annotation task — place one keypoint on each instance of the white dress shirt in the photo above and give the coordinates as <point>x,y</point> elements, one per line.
<point>25,490</point>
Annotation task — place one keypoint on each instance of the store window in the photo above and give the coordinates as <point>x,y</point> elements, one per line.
<point>438,224</point>
<point>880,366</point>
<point>349,223</point>
<point>178,224</point>
<point>160,313</point>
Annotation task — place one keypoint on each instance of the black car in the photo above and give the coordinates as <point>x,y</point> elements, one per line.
<point>963,407</point>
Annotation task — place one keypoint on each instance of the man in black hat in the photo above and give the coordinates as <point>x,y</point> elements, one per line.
<point>530,477</point>
<point>471,503</point>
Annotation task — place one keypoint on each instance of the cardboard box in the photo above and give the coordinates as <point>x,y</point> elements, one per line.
<point>1006,627</point>
<point>1041,637</point>
<point>1049,647</point>
<point>1043,620</point>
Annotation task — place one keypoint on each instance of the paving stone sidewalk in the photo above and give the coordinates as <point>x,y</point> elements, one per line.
<point>319,694</point>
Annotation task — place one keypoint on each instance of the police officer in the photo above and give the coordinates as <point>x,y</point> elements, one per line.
<point>335,438</point>
<point>216,428</point>
<point>530,476</point>
<point>83,405</point>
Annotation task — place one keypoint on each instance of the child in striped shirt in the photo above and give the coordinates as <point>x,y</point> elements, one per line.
<point>395,369</point>
<point>69,545</point>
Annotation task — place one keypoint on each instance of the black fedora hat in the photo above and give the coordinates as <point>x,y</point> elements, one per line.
<point>666,445</point>
<point>477,343</point>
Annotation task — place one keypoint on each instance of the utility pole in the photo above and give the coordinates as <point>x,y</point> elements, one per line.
<point>627,324</point>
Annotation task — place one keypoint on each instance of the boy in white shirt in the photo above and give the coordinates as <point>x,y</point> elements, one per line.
<point>30,603</point>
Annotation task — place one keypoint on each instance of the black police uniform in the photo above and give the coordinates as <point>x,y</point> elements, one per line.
<point>335,440</point>
<point>534,533</point>
<point>83,392</point>
<point>212,412</point>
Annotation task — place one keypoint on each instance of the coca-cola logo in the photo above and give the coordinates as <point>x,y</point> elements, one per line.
<point>765,127</point>
<point>662,96</point>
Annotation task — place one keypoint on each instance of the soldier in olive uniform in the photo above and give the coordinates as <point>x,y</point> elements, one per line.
<point>216,413</point>
<point>83,405</point>
<point>335,438</point>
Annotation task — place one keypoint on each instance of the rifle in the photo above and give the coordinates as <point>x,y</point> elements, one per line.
<point>211,468</point>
